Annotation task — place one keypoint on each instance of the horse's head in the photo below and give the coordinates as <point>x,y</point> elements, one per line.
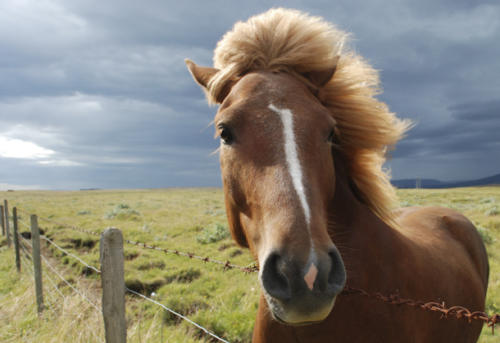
<point>280,107</point>
<point>279,181</point>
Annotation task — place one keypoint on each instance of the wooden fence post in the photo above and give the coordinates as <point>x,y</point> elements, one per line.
<point>113,285</point>
<point>37,264</point>
<point>6,218</point>
<point>16,238</point>
<point>1,220</point>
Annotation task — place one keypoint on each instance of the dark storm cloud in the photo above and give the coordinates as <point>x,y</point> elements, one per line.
<point>486,111</point>
<point>102,86</point>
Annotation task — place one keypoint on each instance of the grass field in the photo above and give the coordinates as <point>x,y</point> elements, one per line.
<point>191,220</point>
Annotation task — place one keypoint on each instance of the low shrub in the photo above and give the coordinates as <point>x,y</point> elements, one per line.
<point>213,233</point>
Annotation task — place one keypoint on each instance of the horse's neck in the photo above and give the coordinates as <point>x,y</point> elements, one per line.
<point>348,210</point>
<point>355,229</point>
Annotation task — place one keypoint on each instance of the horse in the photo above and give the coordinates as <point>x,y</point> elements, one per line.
<point>303,143</point>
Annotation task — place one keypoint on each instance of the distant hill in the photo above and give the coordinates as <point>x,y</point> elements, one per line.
<point>431,183</point>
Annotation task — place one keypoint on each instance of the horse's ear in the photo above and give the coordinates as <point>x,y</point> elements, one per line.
<point>201,75</point>
<point>321,77</point>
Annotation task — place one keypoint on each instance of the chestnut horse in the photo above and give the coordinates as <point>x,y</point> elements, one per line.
<point>303,140</point>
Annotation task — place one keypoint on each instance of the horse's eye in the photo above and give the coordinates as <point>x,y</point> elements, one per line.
<point>226,135</point>
<point>331,136</point>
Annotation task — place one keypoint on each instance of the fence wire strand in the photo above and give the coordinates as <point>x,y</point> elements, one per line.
<point>64,280</point>
<point>70,254</point>
<point>69,284</point>
<point>177,314</point>
<point>55,287</point>
<point>47,239</point>
<point>63,225</point>
<point>29,261</point>
<point>28,243</point>
<point>225,264</point>
<point>456,311</point>
<point>23,224</point>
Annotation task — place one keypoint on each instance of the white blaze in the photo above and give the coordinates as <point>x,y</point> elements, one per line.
<point>292,158</point>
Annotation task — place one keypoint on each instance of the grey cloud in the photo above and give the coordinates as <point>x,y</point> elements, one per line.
<point>104,85</point>
<point>486,111</point>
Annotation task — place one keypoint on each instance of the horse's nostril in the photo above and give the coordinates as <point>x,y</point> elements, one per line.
<point>274,281</point>
<point>337,274</point>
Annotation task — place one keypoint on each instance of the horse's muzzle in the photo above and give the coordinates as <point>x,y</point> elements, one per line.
<point>296,298</point>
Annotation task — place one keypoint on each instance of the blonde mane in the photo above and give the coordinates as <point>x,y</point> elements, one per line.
<point>291,41</point>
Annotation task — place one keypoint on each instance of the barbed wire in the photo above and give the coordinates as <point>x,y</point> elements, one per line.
<point>132,291</point>
<point>225,264</point>
<point>177,314</point>
<point>64,225</point>
<point>453,311</point>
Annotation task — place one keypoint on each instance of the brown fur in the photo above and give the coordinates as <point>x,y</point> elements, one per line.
<point>287,40</point>
<point>426,254</point>
<point>436,255</point>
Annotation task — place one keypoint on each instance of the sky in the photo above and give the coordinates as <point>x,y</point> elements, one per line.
<point>95,94</point>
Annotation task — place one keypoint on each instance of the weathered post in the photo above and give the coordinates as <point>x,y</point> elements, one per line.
<point>16,238</point>
<point>6,219</point>
<point>113,285</point>
<point>1,220</point>
<point>37,264</point>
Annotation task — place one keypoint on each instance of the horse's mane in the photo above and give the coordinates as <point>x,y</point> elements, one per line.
<point>290,41</point>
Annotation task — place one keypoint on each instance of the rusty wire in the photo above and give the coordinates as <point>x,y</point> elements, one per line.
<point>457,312</point>
<point>226,264</point>
<point>64,225</point>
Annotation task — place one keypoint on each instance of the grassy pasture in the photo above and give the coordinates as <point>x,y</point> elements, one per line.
<point>185,219</point>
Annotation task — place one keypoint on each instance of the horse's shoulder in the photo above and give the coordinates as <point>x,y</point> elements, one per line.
<point>448,224</point>
<point>439,217</point>
<point>437,220</point>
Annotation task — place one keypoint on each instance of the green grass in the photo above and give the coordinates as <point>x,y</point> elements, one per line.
<point>191,220</point>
